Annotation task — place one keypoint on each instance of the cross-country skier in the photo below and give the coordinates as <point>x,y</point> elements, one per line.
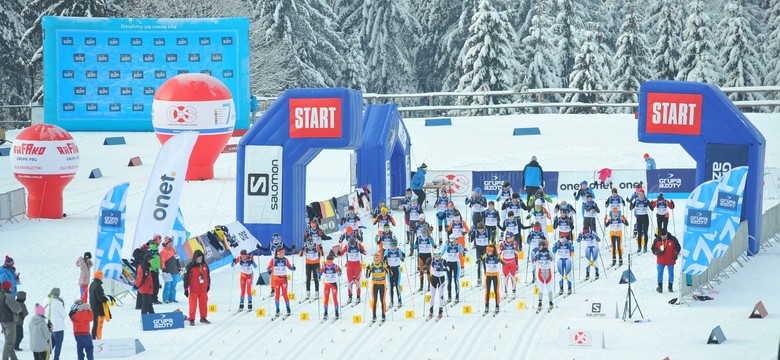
<point>276,244</point>
<point>509,249</point>
<point>441,210</point>
<point>424,246</point>
<point>246,264</point>
<point>406,202</point>
<point>641,207</point>
<point>492,218</point>
<point>459,229</point>
<point>393,257</point>
<point>383,219</point>
<point>590,209</point>
<point>591,249</point>
<point>478,205</point>
<point>616,222</point>
<point>540,195</point>
<point>413,212</point>
<point>492,267</point>
<point>330,274</point>
<point>513,224</point>
<point>354,251</point>
<point>278,269</point>
<point>385,238</point>
<point>564,252</point>
<point>480,238</point>
<point>313,253</point>
<point>377,271</point>
<point>504,194</point>
<point>315,233</point>
<point>544,273</point>
<point>662,207</point>
<point>539,214</point>
<point>352,221</point>
<point>515,205</point>
<point>614,201</point>
<point>422,223</point>
<point>438,273</point>
<point>583,192</point>
<point>451,252</point>
<point>564,225</point>
<point>534,237</point>
<point>564,207</point>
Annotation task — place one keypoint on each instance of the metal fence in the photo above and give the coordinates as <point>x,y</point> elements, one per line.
<point>736,256</point>
<point>12,204</point>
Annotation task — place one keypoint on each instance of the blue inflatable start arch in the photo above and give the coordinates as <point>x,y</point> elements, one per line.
<point>713,131</point>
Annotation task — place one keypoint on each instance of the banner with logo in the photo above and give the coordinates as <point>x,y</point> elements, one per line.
<point>179,233</point>
<point>263,185</point>
<point>728,208</point>
<point>669,113</point>
<point>491,182</point>
<point>458,183</point>
<point>111,234</point>
<point>116,348</point>
<point>670,181</point>
<point>699,234</point>
<point>315,118</point>
<point>164,188</point>
<point>163,321</point>
<point>721,158</point>
<point>239,238</point>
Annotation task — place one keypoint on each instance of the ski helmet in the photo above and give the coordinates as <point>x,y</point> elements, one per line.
<point>383,209</point>
<point>422,218</point>
<point>276,238</point>
<point>538,202</point>
<point>491,248</point>
<point>509,235</point>
<point>478,190</point>
<point>510,213</point>
<point>377,257</point>
<point>414,198</point>
<point>453,238</point>
<point>394,243</point>
<point>584,182</point>
<point>542,243</point>
<point>349,230</point>
<point>387,227</point>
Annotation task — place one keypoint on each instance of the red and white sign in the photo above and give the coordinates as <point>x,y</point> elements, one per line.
<point>582,338</point>
<point>38,157</point>
<point>315,118</point>
<point>673,114</point>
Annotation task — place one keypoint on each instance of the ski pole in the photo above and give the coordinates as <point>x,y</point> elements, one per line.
<point>579,267</point>
<point>232,280</point>
<point>674,223</point>
<point>409,282</point>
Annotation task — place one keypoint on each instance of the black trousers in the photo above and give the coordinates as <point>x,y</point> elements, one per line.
<point>616,248</point>
<point>395,274</point>
<point>663,222</point>
<point>146,303</point>
<point>642,226</point>
<point>156,285</point>
<point>480,263</point>
<point>423,269</point>
<point>311,272</point>
<point>590,222</point>
<point>491,282</point>
<point>530,191</point>
<point>420,196</point>
<point>378,293</point>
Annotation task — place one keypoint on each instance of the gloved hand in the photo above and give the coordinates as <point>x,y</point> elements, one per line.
<point>208,288</point>
<point>292,268</point>
<point>186,293</point>
<point>135,288</point>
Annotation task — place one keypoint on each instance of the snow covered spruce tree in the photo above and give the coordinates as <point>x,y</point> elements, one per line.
<point>389,32</point>
<point>538,55</point>
<point>567,29</point>
<point>307,28</point>
<point>591,71</point>
<point>489,63</point>
<point>13,57</point>
<point>698,61</point>
<point>37,9</point>
<point>355,71</point>
<point>738,54</point>
<point>630,59</point>
<point>437,18</point>
<point>666,51</point>
<point>451,50</point>
<point>772,53</point>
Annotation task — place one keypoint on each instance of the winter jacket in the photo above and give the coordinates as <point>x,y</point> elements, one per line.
<point>84,266</point>
<point>40,335</point>
<point>58,314</point>
<point>143,280</point>
<point>155,256</point>
<point>97,297</point>
<point>671,249</point>
<point>20,298</point>
<point>418,180</point>
<point>170,261</point>
<point>81,316</point>
<point>9,308</point>
<point>650,163</point>
<point>533,175</point>
<point>8,273</point>
<point>192,277</point>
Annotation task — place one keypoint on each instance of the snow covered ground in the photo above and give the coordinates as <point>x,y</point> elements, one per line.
<point>46,250</point>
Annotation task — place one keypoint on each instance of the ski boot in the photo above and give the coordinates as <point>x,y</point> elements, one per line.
<point>449,299</point>
<point>514,293</point>
<point>241,307</point>
<point>569,292</point>
<point>587,276</point>
<point>357,301</point>
<point>392,304</point>
<point>337,315</point>
<point>383,318</point>
<point>479,281</point>
<point>644,249</point>
<point>277,312</point>
<point>441,312</point>
<point>204,321</point>
<point>308,294</point>
<point>670,287</point>
<point>288,311</point>
<point>325,317</point>
<point>249,306</point>
<point>614,261</point>
<point>597,276</point>
<point>496,312</point>
<point>487,309</point>
<point>620,263</point>
<point>551,306</point>
<point>400,303</point>
<point>373,320</point>
<point>539,307</point>
<point>660,288</point>
<point>349,300</point>
<point>192,322</point>
<point>462,272</point>
<point>639,250</point>
<point>560,292</point>
<point>430,314</point>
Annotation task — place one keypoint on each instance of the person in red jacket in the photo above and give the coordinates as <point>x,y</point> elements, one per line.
<point>144,284</point>
<point>666,248</point>
<point>197,283</point>
<point>81,315</point>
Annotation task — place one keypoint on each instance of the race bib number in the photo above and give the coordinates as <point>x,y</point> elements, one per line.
<point>493,268</point>
<point>491,221</point>
<point>330,278</point>
<point>280,270</point>
<point>452,256</point>
<point>425,248</point>
<point>394,261</point>
<point>312,256</point>
<point>563,253</point>
<point>481,241</point>
<point>508,254</point>
<point>353,256</point>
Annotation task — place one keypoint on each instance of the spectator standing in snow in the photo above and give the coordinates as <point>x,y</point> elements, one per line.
<point>98,303</point>
<point>84,263</point>
<point>252,108</point>
<point>21,296</point>
<point>8,273</point>
<point>144,283</point>
<point>197,283</point>
<point>57,315</point>
<point>9,313</point>
<point>417,183</point>
<point>649,162</point>
<point>533,178</point>
<point>171,267</point>
<point>666,248</point>
<point>81,316</point>
<point>40,334</point>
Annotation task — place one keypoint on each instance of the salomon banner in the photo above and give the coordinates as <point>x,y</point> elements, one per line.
<point>164,189</point>
<point>721,158</point>
<point>263,184</point>
<point>699,234</point>
<point>671,181</point>
<point>111,234</point>
<point>728,208</point>
<point>102,74</point>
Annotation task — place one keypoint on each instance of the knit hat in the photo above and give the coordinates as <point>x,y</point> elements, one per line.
<point>9,261</point>
<point>6,285</point>
<point>646,155</point>
<point>39,310</point>
<point>167,240</point>
<point>98,275</point>
<point>21,296</point>
<point>87,255</point>
<point>55,292</point>
<point>533,158</point>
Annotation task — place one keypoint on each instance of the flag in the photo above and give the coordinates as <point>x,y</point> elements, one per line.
<point>239,238</point>
<point>728,208</point>
<point>111,234</point>
<point>699,234</point>
<point>179,233</point>
<point>164,188</point>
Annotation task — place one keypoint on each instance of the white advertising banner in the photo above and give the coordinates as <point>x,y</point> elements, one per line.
<point>239,238</point>
<point>263,184</point>
<point>458,183</point>
<point>593,339</point>
<point>216,116</point>
<point>166,182</point>
<point>34,157</point>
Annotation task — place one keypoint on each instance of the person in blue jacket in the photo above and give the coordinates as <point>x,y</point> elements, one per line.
<point>649,162</point>
<point>417,184</point>
<point>533,178</point>
<point>8,273</point>
<point>253,108</point>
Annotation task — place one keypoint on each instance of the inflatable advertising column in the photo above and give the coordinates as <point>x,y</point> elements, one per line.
<point>195,102</point>
<point>44,159</point>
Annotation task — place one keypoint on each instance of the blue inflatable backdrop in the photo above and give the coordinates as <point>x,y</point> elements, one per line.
<point>273,154</point>
<point>384,158</point>
<point>713,131</point>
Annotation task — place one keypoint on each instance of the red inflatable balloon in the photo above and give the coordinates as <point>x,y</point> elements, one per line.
<point>44,158</point>
<point>195,102</point>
